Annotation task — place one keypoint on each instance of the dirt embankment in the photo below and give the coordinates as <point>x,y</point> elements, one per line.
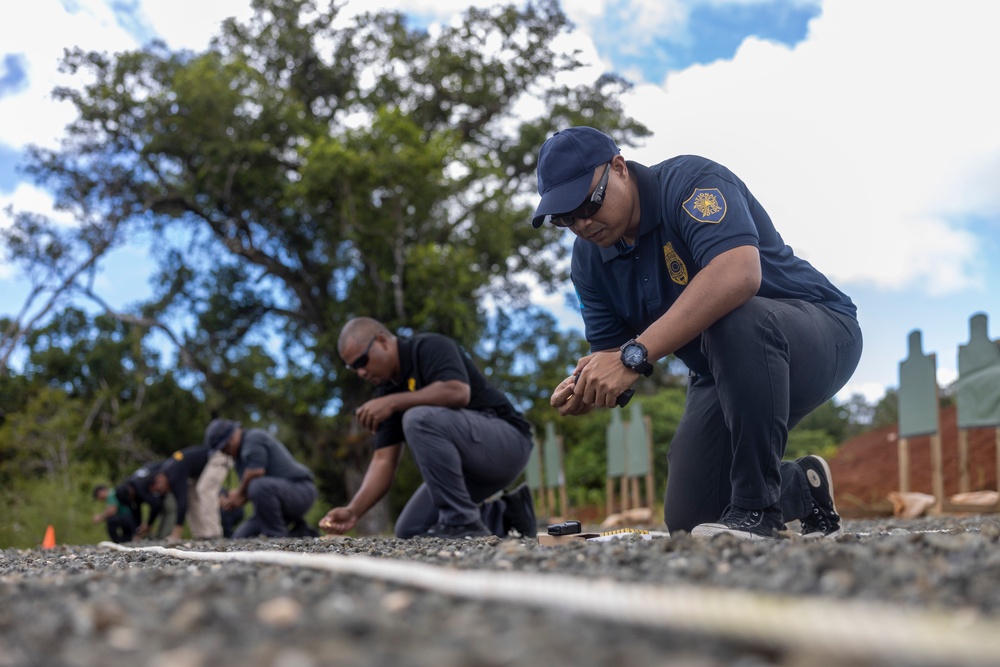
<point>866,468</point>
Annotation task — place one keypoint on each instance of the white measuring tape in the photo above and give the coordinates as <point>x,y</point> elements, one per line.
<point>818,627</point>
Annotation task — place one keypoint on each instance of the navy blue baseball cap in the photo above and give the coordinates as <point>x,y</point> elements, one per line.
<point>566,165</point>
<point>218,432</point>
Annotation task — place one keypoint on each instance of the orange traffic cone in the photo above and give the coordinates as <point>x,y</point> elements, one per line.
<point>50,538</point>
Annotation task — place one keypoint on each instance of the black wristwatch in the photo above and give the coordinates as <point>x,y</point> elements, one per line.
<point>634,356</point>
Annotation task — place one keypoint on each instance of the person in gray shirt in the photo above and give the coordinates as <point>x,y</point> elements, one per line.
<point>280,488</point>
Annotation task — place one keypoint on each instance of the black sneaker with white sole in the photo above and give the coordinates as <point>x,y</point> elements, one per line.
<point>745,524</point>
<point>519,512</point>
<point>453,532</point>
<point>822,520</point>
<point>302,529</point>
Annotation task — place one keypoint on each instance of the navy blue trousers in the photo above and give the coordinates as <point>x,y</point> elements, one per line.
<point>465,457</point>
<point>771,363</point>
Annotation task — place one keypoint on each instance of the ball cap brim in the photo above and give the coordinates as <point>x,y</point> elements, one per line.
<point>566,164</point>
<point>218,432</point>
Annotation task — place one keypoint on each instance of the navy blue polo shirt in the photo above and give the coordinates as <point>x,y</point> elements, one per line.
<point>430,357</point>
<point>693,209</point>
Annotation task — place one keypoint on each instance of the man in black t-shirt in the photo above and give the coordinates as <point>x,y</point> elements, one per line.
<point>467,439</point>
<point>143,487</point>
<point>195,476</point>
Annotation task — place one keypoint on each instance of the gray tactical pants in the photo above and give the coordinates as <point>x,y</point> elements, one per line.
<point>465,457</point>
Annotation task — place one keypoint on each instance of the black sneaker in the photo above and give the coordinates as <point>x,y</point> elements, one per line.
<point>822,520</point>
<point>763,524</point>
<point>452,532</point>
<point>302,529</point>
<point>519,512</point>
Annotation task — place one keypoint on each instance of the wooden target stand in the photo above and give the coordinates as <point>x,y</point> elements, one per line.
<point>629,462</point>
<point>978,406</point>
<point>978,403</point>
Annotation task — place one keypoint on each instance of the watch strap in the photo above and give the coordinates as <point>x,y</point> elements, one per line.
<point>643,368</point>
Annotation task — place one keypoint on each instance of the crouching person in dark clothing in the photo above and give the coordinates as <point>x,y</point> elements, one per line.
<point>117,517</point>
<point>280,488</point>
<point>467,439</point>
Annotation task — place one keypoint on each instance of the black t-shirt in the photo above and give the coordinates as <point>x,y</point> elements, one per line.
<point>134,492</point>
<point>430,357</point>
<point>260,449</point>
<point>183,465</point>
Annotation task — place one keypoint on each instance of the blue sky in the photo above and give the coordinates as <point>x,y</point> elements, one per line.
<point>868,130</point>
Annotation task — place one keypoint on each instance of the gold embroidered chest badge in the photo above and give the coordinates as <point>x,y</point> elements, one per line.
<point>675,265</point>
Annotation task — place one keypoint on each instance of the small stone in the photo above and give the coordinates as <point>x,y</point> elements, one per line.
<point>280,612</point>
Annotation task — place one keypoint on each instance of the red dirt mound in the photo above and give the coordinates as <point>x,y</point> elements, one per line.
<point>866,468</point>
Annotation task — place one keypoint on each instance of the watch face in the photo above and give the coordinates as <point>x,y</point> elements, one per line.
<point>633,355</point>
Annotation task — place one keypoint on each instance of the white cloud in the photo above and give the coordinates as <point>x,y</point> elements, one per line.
<point>618,21</point>
<point>946,376</point>
<point>41,32</point>
<point>872,391</point>
<point>869,143</point>
<point>44,28</point>
<point>175,21</point>
<point>27,197</point>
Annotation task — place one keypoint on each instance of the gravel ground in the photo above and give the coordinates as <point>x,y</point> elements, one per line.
<point>887,592</point>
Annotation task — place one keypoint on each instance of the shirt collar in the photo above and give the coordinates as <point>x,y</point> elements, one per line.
<point>404,347</point>
<point>649,208</point>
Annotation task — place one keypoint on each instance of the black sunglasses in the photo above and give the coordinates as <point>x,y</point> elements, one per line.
<point>362,360</point>
<point>585,210</point>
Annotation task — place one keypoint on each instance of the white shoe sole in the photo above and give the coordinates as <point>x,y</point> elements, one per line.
<point>707,530</point>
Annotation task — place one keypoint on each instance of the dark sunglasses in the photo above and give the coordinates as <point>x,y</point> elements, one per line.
<point>585,210</point>
<point>362,360</point>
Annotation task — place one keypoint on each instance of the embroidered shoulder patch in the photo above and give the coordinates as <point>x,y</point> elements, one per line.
<point>675,265</point>
<point>706,205</point>
<point>178,456</point>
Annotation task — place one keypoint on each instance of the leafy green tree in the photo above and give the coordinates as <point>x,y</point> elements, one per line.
<point>585,444</point>
<point>414,215</point>
<point>827,427</point>
<point>830,418</point>
<point>108,365</point>
<point>56,260</point>
<point>886,411</point>
<point>92,404</point>
<point>41,463</point>
<point>44,439</point>
<point>304,170</point>
<point>804,441</point>
<point>14,391</point>
<point>860,414</point>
